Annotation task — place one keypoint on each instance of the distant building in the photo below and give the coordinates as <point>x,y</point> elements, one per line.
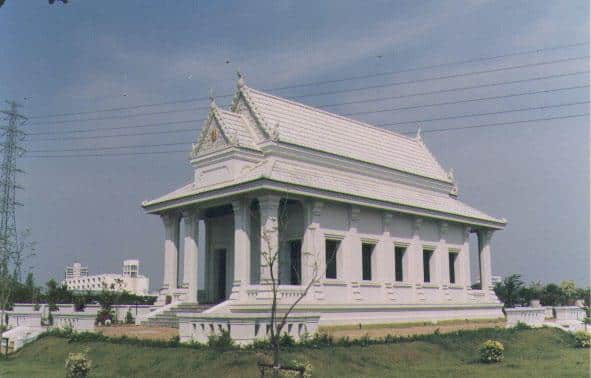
<point>75,271</point>
<point>130,281</point>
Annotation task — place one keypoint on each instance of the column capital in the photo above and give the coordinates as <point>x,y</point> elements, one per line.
<point>317,207</point>
<point>238,205</point>
<point>269,202</point>
<point>443,228</point>
<point>466,233</point>
<point>486,235</point>
<point>418,222</point>
<point>355,215</point>
<point>169,218</point>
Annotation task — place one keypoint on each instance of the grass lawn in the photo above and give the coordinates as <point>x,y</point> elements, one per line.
<point>528,353</point>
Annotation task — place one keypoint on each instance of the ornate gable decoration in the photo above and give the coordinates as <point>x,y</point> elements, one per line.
<point>242,103</point>
<point>212,136</point>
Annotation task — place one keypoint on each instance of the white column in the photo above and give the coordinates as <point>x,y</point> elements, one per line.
<point>171,251</point>
<point>416,254</point>
<point>190,254</point>
<point>241,242</point>
<point>351,262</point>
<point>313,256</point>
<point>485,259</point>
<point>442,256</point>
<point>269,208</point>
<point>384,260</point>
<point>465,279</point>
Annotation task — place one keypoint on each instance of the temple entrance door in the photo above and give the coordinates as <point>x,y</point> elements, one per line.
<point>220,275</point>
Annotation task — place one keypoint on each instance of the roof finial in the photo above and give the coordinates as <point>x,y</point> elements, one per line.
<point>211,99</point>
<point>419,137</point>
<point>240,79</point>
<point>450,174</point>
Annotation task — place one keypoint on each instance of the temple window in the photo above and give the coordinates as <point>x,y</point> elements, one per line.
<point>399,263</point>
<point>427,255</point>
<point>331,250</point>
<point>452,258</point>
<point>366,252</point>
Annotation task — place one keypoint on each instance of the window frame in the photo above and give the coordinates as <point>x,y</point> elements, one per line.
<point>335,259</point>
<point>427,273</point>
<point>369,260</point>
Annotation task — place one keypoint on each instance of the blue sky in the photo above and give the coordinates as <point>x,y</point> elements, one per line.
<point>90,55</point>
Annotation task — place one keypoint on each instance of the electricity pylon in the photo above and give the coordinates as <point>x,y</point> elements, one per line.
<point>12,149</point>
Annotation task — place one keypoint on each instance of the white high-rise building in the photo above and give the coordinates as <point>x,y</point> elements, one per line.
<point>76,270</point>
<point>130,281</point>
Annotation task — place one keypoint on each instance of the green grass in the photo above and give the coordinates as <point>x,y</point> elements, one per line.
<point>409,324</point>
<point>528,353</point>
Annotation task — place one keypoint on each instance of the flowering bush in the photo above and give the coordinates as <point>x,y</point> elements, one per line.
<point>491,351</point>
<point>78,365</point>
<point>582,339</point>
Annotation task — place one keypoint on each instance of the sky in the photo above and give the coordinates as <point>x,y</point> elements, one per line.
<point>82,201</point>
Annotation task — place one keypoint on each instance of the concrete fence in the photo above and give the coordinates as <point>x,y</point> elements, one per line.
<point>243,328</point>
<point>532,316</point>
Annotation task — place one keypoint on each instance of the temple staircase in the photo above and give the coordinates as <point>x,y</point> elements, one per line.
<point>166,316</point>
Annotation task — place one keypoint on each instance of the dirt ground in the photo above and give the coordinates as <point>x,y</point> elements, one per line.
<point>381,330</point>
<point>353,332</point>
<point>140,332</point>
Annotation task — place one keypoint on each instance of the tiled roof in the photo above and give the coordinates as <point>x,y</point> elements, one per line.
<point>235,127</point>
<point>303,125</point>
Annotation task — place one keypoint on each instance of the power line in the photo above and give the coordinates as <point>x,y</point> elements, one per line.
<point>76,131</point>
<point>487,114</point>
<point>496,124</point>
<point>116,127</point>
<point>439,78</point>
<point>174,131</point>
<point>448,90</point>
<point>411,107</point>
<point>112,148</point>
<point>228,95</point>
<point>384,124</point>
<point>114,154</point>
<point>456,89</point>
<point>116,117</point>
<point>484,125</point>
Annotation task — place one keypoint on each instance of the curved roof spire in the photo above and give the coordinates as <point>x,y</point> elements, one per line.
<point>419,137</point>
<point>240,83</point>
<point>212,103</point>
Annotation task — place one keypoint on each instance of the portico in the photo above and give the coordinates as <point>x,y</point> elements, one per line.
<point>366,216</point>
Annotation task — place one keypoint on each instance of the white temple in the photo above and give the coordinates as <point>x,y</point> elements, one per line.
<point>371,209</point>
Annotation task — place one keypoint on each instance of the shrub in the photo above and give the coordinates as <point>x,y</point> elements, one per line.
<point>286,340</point>
<point>491,351</point>
<point>104,317</point>
<point>521,325</point>
<point>129,318</point>
<point>221,341</point>
<point>582,339</point>
<point>78,365</point>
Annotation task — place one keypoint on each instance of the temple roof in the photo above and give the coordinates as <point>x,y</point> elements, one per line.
<point>256,118</point>
<point>317,129</point>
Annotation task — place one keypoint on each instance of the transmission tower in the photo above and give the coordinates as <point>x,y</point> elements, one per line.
<point>12,149</point>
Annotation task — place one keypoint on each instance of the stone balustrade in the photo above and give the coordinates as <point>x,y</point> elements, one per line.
<point>532,316</point>
<point>569,313</point>
<point>78,321</point>
<point>22,318</point>
<point>243,328</point>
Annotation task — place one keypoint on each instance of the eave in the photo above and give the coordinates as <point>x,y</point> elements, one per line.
<point>216,194</point>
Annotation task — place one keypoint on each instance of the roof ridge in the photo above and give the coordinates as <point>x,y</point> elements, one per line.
<point>309,107</point>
